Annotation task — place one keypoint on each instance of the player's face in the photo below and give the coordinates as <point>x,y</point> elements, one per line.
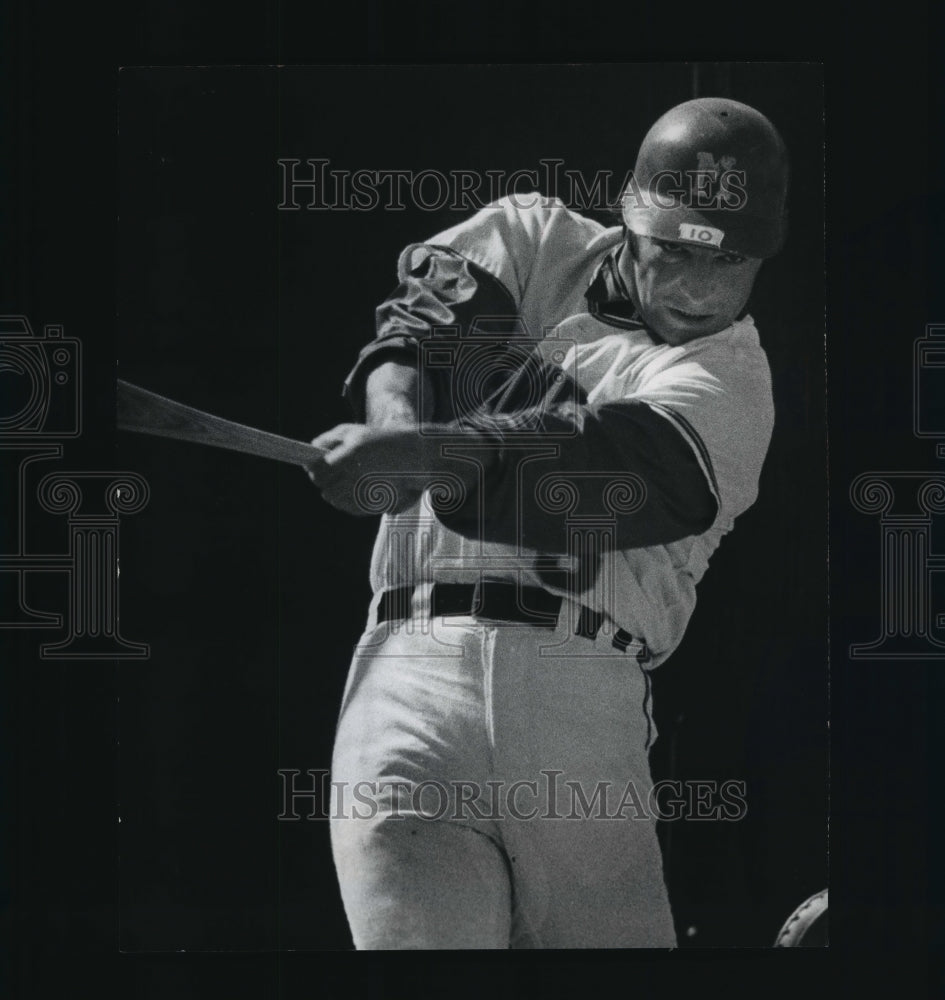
<point>684,291</point>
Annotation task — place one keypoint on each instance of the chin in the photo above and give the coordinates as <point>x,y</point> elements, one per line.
<point>676,331</point>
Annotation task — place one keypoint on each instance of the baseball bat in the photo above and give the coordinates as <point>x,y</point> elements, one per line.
<point>146,412</point>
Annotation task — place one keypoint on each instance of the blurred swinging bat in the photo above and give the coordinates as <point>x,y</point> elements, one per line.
<point>148,413</point>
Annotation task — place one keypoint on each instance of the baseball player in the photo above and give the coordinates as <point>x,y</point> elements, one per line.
<point>560,421</point>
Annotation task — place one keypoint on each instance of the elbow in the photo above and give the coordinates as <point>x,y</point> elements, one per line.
<point>664,519</point>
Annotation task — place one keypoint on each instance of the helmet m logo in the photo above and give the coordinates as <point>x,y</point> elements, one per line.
<point>709,164</point>
<point>716,183</point>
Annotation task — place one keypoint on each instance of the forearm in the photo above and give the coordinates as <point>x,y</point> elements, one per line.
<point>394,395</point>
<point>408,456</point>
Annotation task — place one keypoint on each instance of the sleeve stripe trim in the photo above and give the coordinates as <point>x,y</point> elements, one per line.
<point>695,442</point>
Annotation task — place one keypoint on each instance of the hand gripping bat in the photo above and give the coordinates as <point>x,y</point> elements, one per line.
<point>148,413</point>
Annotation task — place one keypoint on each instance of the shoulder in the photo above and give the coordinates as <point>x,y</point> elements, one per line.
<point>734,353</point>
<point>718,393</point>
<point>722,381</point>
<point>524,220</point>
<point>539,212</point>
<point>523,234</point>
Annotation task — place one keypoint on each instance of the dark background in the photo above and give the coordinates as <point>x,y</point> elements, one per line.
<point>205,723</point>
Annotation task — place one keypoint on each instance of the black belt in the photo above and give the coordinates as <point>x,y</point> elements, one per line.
<point>500,601</point>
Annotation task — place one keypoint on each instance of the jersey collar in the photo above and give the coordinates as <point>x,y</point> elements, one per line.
<point>608,297</point>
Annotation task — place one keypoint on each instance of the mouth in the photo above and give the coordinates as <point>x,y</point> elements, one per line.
<point>686,316</point>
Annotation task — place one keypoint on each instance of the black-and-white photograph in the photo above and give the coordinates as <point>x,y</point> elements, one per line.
<point>480,597</point>
<point>471,483</point>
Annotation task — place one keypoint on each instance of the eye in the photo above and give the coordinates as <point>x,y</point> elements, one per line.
<point>668,246</point>
<point>733,258</point>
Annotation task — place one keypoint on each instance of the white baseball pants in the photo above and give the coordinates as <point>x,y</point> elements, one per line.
<point>491,793</point>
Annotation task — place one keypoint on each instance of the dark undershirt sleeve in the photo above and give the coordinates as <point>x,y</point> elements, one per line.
<point>444,295</point>
<point>595,448</point>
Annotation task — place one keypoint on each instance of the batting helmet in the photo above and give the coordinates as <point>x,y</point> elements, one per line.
<point>712,172</point>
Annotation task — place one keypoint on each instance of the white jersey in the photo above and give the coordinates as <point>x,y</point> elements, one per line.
<point>715,391</point>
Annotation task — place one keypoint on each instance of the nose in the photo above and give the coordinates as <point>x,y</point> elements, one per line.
<point>697,281</point>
